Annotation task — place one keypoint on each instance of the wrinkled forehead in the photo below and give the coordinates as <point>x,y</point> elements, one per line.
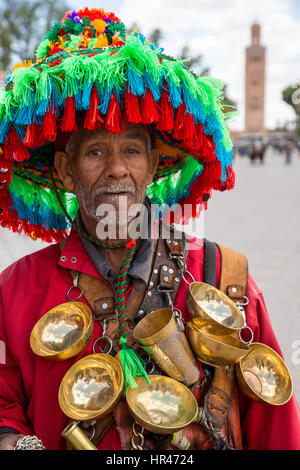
<point>83,136</point>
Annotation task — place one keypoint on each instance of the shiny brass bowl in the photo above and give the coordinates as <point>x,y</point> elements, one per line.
<point>215,308</point>
<point>263,376</point>
<point>164,406</point>
<point>218,351</point>
<point>91,387</point>
<point>62,332</point>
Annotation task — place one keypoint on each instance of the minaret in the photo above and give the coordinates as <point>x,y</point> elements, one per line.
<point>255,83</point>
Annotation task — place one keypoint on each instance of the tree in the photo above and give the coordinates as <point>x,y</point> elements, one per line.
<point>24,23</point>
<point>291,95</point>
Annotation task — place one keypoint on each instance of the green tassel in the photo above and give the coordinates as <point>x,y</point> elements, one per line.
<point>43,49</point>
<point>132,366</point>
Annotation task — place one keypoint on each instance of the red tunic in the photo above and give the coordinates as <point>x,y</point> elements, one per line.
<point>29,384</point>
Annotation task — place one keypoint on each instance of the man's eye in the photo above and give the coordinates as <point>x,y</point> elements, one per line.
<point>95,152</point>
<point>132,150</point>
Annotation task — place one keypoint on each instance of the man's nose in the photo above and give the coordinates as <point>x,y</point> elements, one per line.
<point>116,167</point>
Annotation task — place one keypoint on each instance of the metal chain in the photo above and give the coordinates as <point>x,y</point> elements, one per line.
<point>29,443</point>
<point>137,434</point>
<point>104,337</point>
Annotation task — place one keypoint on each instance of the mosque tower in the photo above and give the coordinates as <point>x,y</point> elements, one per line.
<point>255,84</point>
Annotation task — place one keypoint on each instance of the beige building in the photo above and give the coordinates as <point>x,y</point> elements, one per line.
<point>255,84</point>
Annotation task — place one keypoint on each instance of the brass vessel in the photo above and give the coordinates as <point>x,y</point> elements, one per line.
<point>214,307</point>
<point>77,438</point>
<point>217,351</point>
<point>164,406</point>
<point>160,337</point>
<point>263,376</point>
<point>63,331</point>
<point>91,387</point>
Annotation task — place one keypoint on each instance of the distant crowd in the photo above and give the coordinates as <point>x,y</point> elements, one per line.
<point>254,147</point>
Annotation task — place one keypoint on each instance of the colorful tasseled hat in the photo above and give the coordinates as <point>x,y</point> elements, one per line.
<point>87,66</point>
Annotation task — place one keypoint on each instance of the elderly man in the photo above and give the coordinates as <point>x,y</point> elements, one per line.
<point>100,120</point>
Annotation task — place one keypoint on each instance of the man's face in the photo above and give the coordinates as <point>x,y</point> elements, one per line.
<point>103,166</point>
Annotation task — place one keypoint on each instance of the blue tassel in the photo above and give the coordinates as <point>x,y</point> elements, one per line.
<point>4,129</point>
<point>20,131</point>
<point>211,124</point>
<point>175,93</point>
<point>155,88</point>
<point>193,106</point>
<point>136,82</point>
<point>24,115</point>
<point>105,101</point>
<point>42,108</point>
<point>37,215</point>
<point>86,95</point>
<point>78,101</point>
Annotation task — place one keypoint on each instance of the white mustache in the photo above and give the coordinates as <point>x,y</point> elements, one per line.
<point>115,189</point>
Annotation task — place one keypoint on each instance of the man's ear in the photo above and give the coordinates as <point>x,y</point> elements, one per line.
<point>153,159</point>
<point>62,163</point>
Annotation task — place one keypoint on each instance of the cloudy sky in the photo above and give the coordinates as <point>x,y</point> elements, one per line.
<point>220,31</point>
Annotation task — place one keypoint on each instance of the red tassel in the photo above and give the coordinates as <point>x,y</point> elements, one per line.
<point>49,129</point>
<point>199,134</point>
<point>14,148</point>
<point>230,180</point>
<point>34,137</point>
<point>149,109</point>
<point>178,133</point>
<point>190,130</point>
<point>166,120</point>
<point>208,150</point>
<point>132,108</point>
<point>113,122</point>
<point>5,201</point>
<point>93,118</point>
<point>68,122</point>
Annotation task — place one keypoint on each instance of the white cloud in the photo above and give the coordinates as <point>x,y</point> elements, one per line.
<point>220,31</point>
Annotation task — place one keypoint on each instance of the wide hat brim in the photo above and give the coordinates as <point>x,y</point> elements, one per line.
<point>135,83</point>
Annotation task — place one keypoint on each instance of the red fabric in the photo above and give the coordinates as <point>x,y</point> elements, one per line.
<point>29,384</point>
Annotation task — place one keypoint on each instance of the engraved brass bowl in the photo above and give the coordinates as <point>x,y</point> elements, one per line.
<point>217,351</point>
<point>263,376</point>
<point>215,308</point>
<point>63,331</point>
<point>91,387</point>
<point>164,406</point>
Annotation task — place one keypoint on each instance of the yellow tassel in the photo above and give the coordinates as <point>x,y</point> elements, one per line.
<point>101,41</point>
<point>24,63</point>
<point>99,26</point>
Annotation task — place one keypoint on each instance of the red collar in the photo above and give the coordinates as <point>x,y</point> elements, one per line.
<point>75,257</point>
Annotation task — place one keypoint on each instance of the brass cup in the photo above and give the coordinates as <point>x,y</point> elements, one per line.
<point>91,387</point>
<point>63,332</point>
<point>77,438</point>
<point>215,308</point>
<point>160,337</point>
<point>263,376</point>
<point>164,406</point>
<point>217,351</point>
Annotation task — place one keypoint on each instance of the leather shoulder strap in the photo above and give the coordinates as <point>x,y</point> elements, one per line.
<point>234,273</point>
<point>210,262</point>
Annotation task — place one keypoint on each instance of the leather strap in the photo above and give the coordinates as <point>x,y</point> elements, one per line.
<point>210,262</point>
<point>234,273</point>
